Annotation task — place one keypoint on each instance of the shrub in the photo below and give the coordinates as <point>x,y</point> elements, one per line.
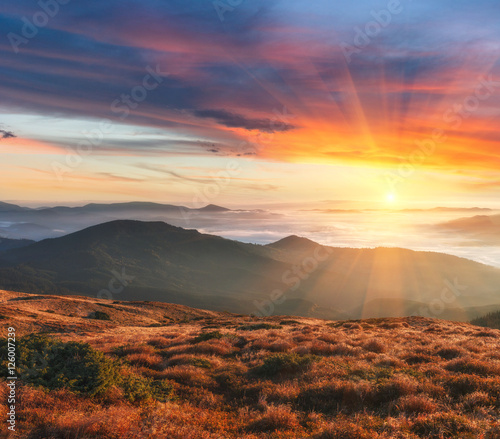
<point>463,384</point>
<point>450,353</point>
<point>138,388</point>
<point>419,358</point>
<point>204,336</point>
<point>282,364</point>
<point>375,345</point>
<point>99,315</point>
<point>53,364</point>
<point>416,404</point>
<point>77,367</point>
<point>278,417</point>
<point>394,388</point>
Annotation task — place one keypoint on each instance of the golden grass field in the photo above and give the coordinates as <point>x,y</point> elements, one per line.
<point>234,376</point>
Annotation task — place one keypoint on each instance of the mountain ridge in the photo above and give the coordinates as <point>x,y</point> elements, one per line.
<point>170,263</point>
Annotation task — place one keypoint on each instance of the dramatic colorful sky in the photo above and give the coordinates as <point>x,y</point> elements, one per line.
<point>301,101</point>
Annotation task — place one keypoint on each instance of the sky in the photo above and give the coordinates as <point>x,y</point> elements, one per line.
<point>239,102</point>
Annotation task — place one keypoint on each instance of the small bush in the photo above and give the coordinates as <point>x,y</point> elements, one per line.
<point>394,388</point>
<point>205,336</point>
<point>419,358</point>
<point>414,404</point>
<point>138,388</point>
<point>278,417</point>
<point>375,345</point>
<point>450,353</point>
<point>99,315</point>
<point>463,384</point>
<point>77,367</point>
<point>52,364</point>
<point>283,364</point>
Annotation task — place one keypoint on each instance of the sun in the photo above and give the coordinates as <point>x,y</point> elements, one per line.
<point>390,198</point>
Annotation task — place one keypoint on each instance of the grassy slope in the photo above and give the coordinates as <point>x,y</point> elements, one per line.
<point>300,378</point>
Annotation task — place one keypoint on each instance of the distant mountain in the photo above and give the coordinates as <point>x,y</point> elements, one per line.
<point>213,208</point>
<point>7,207</point>
<point>9,244</point>
<point>485,229</point>
<point>293,245</point>
<point>292,276</point>
<point>49,222</point>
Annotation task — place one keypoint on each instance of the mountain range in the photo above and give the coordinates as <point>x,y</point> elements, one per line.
<point>18,222</point>
<point>134,260</point>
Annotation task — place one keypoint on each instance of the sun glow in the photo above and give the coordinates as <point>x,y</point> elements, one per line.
<point>390,198</point>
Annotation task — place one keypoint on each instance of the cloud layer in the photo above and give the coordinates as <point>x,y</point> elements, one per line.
<point>365,84</point>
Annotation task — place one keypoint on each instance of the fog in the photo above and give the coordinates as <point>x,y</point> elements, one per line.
<point>459,232</point>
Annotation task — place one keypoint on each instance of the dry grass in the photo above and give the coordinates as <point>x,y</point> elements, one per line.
<point>382,378</point>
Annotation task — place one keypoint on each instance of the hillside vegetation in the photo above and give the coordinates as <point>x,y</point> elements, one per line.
<point>491,320</point>
<point>204,375</point>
